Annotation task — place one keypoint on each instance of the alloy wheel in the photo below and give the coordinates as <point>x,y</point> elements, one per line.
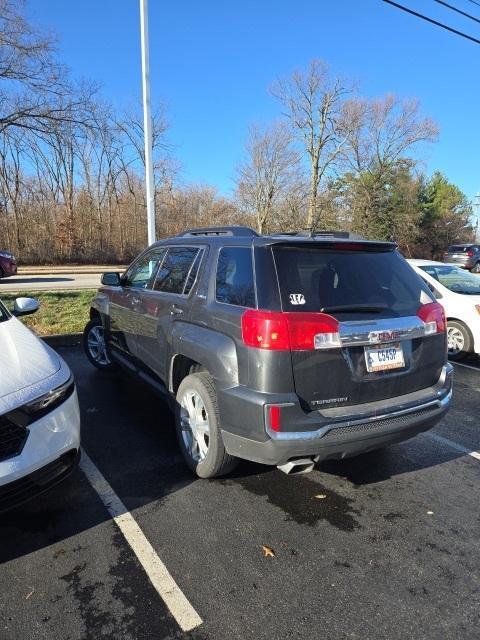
<point>456,340</point>
<point>96,345</point>
<point>195,425</point>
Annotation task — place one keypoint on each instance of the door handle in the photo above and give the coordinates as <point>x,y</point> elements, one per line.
<point>175,311</point>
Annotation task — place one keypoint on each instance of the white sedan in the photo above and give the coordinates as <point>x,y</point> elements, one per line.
<point>458,291</point>
<point>39,414</point>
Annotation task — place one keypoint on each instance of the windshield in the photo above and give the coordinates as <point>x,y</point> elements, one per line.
<point>453,278</point>
<point>350,282</point>
<point>4,315</point>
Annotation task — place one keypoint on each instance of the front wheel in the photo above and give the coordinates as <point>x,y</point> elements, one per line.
<point>198,427</point>
<point>95,346</point>
<point>459,340</point>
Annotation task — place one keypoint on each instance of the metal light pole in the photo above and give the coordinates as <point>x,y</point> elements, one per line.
<point>147,122</point>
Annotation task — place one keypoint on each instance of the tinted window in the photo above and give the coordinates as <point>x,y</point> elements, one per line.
<point>141,272</point>
<point>192,276</point>
<point>3,313</point>
<point>315,280</point>
<point>459,248</point>
<point>175,269</point>
<point>234,283</point>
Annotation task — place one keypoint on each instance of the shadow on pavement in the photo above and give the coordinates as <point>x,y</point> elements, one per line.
<point>129,434</point>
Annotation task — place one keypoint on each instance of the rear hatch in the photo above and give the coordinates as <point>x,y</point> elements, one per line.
<point>458,253</point>
<point>383,311</point>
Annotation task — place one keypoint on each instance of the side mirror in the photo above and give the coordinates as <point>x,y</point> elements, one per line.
<point>25,306</point>
<point>111,279</point>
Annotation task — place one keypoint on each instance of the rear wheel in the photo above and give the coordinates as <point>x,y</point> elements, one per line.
<point>95,347</point>
<point>2,273</point>
<point>198,427</point>
<point>476,268</point>
<point>459,340</point>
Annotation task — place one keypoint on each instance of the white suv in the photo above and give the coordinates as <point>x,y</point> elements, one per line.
<point>39,414</point>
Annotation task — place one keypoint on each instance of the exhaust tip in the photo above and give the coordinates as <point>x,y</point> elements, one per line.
<point>295,467</point>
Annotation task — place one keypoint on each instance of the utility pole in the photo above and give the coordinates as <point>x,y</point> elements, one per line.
<point>147,121</point>
<point>476,205</point>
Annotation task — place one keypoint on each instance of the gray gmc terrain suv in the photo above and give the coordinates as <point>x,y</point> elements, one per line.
<point>283,349</point>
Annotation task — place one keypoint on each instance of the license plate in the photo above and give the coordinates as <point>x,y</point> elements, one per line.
<point>383,357</point>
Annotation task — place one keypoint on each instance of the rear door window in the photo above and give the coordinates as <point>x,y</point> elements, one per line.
<point>174,272</point>
<point>349,281</point>
<point>234,281</point>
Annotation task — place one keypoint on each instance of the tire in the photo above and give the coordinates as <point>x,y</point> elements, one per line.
<point>476,268</point>
<point>94,346</point>
<point>459,340</point>
<point>2,273</point>
<point>197,400</point>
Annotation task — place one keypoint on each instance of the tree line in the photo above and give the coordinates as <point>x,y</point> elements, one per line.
<point>72,166</point>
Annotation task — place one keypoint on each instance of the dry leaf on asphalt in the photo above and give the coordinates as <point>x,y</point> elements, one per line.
<point>320,496</point>
<point>268,552</point>
<point>30,594</point>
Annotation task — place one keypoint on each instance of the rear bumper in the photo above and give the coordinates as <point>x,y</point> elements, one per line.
<point>331,436</point>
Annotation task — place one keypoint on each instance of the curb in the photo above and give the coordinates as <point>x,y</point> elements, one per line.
<point>63,339</point>
<point>26,271</point>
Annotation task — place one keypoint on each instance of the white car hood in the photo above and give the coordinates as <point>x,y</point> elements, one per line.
<point>25,360</point>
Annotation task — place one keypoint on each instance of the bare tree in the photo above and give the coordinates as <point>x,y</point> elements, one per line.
<point>268,173</point>
<point>384,130</point>
<point>35,92</point>
<point>313,102</point>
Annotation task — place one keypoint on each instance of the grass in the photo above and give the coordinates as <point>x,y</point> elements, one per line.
<point>60,311</point>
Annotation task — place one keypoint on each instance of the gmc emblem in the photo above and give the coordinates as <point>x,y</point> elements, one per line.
<point>383,336</point>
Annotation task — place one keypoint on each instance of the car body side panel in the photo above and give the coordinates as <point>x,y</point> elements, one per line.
<point>456,306</point>
<point>214,351</point>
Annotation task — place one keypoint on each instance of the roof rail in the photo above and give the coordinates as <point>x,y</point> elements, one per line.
<point>320,234</point>
<point>219,231</point>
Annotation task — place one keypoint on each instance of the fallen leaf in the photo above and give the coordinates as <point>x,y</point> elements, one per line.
<point>29,594</point>
<point>320,496</point>
<point>58,553</point>
<point>268,552</point>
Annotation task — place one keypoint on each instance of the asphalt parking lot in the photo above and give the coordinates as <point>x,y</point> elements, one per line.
<point>382,546</point>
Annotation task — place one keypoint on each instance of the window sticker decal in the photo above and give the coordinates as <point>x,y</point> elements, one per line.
<point>297,298</point>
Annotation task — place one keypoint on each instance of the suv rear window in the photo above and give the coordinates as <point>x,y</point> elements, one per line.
<point>349,281</point>
<point>459,248</point>
<point>234,283</point>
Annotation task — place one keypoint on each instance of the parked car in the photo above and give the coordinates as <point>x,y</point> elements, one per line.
<point>282,349</point>
<point>39,414</point>
<point>8,264</point>
<point>466,256</point>
<point>459,294</point>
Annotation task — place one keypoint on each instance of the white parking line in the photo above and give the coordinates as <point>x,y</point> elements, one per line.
<point>454,445</point>
<point>467,366</point>
<point>167,588</point>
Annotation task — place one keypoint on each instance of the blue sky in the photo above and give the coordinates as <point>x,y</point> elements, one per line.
<point>213,61</point>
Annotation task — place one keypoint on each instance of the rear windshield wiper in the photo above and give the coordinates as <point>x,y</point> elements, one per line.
<point>374,308</point>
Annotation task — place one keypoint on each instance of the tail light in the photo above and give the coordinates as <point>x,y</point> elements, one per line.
<point>295,331</point>
<point>433,317</point>
<point>274,412</point>
<point>470,254</point>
